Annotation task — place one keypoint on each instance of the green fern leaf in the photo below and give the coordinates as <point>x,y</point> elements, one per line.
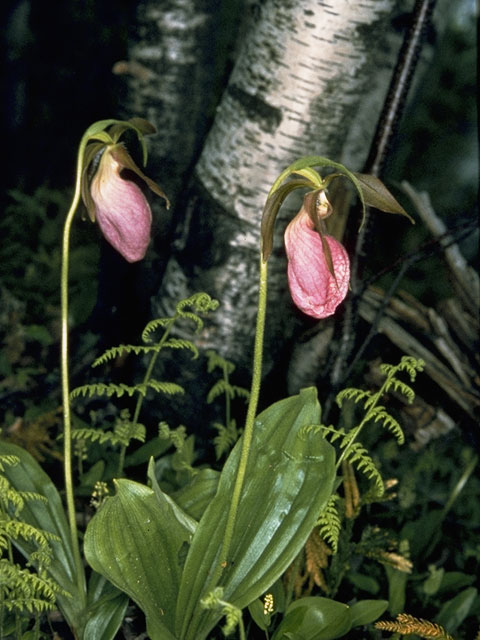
<point>219,388</point>
<point>197,321</point>
<point>379,414</point>
<point>226,437</point>
<point>329,523</point>
<point>119,351</point>
<point>127,430</point>
<point>215,360</point>
<point>96,435</point>
<point>169,388</point>
<point>32,495</point>
<point>8,461</point>
<point>358,456</point>
<point>403,388</point>
<point>352,394</point>
<point>240,392</point>
<point>201,303</point>
<point>177,343</point>
<point>102,389</point>
<point>153,325</point>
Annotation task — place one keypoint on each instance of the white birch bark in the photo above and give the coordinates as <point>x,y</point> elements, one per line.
<point>310,79</point>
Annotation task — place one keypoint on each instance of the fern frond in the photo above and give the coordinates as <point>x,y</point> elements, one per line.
<point>10,496</point>
<point>17,529</point>
<point>118,351</point>
<point>329,523</point>
<point>330,433</point>
<point>96,435</point>
<point>169,388</point>
<point>179,343</point>
<point>111,389</point>
<point>358,456</point>
<point>200,302</point>
<point>407,363</point>
<point>379,414</point>
<point>8,461</point>
<point>24,590</point>
<point>153,325</point>
<point>240,392</point>
<point>32,495</point>
<point>124,349</point>
<point>176,436</point>
<point>226,437</point>
<point>352,394</point>
<point>402,387</point>
<point>197,321</point>
<point>102,389</point>
<point>127,430</point>
<point>215,360</point>
<point>220,387</point>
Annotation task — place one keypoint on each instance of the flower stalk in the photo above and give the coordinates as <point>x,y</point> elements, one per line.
<point>67,420</point>
<point>249,421</point>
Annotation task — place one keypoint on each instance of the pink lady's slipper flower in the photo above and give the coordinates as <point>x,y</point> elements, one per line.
<point>314,289</point>
<point>118,204</point>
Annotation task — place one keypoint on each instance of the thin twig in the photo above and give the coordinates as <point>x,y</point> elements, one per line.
<point>391,112</point>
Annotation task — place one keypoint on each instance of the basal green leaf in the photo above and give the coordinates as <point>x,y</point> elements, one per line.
<point>454,611</point>
<point>366,611</point>
<point>289,479</point>
<point>136,541</point>
<point>106,609</point>
<point>316,619</point>
<point>195,497</point>
<point>397,588</point>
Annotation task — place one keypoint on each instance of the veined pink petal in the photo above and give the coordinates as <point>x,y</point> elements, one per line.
<point>121,210</point>
<point>313,288</point>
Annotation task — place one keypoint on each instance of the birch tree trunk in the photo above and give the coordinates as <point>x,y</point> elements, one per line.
<point>310,79</point>
<point>175,54</point>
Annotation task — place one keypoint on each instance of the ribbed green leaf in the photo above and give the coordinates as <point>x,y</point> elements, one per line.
<point>195,497</point>
<point>136,541</point>
<point>289,479</point>
<point>106,609</point>
<point>366,611</point>
<point>27,475</point>
<point>454,611</point>
<point>316,619</point>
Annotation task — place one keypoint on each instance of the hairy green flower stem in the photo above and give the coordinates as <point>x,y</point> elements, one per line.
<point>67,420</point>
<point>228,412</point>
<point>249,426</point>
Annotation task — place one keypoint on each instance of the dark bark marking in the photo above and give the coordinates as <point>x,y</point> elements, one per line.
<point>257,109</point>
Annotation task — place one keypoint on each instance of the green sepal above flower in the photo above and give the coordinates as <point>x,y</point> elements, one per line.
<point>370,189</point>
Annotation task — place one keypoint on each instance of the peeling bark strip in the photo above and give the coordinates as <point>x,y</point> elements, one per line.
<point>310,79</point>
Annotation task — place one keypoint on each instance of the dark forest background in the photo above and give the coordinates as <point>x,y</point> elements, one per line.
<point>58,77</point>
